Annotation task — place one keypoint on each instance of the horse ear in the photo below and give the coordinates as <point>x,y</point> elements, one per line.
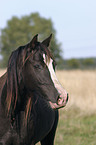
<point>46,42</point>
<point>34,41</point>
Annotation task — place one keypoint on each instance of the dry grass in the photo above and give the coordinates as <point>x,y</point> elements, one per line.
<point>81,86</point>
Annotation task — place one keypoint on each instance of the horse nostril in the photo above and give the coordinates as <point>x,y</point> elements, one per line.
<point>59,100</point>
<point>67,97</point>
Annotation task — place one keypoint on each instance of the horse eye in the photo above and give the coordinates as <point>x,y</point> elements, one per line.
<point>37,66</point>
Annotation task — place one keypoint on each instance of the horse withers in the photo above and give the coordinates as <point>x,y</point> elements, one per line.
<point>30,96</point>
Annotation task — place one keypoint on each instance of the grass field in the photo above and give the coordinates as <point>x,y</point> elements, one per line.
<point>77,123</point>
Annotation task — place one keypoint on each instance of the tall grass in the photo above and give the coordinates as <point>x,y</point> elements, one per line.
<point>81,86</point>
<point>77,124</point>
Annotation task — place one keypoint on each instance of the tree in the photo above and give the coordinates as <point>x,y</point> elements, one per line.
<point>88,62</point>
<point>73,63</point>
<point>19,31</point>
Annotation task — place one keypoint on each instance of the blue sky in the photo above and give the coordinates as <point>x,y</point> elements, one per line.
<point>74,21</point>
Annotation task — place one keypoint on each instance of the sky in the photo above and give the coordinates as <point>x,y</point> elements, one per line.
<point>74,22</point>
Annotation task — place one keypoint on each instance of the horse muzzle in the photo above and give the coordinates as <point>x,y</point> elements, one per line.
<point>61,102</point>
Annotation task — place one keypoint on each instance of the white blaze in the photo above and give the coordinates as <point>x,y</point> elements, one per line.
<point>53,76</point>
<point>51,70</point>
<point>63,94</point>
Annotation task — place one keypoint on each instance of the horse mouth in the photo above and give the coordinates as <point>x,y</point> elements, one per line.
<point>59,105</point>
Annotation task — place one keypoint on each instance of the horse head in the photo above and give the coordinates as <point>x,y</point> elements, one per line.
<point>31,68</point>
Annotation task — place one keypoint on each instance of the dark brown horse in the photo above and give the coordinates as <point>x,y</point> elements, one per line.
<point>30,96</point>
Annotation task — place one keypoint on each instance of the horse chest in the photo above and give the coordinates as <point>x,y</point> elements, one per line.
<point>44,118</point>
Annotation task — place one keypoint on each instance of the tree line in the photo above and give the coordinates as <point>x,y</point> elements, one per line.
<point>85,63</point>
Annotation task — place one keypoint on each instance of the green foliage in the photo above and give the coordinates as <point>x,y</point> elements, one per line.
<point>85,63</point>
<point>73,63</point>
<point>88,62</point>
<point>19,31</point>
<point>76,128</point>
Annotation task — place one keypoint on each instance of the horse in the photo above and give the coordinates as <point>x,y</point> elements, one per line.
<point>30,96</point>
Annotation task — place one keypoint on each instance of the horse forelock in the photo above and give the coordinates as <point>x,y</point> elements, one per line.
<point>39,46</point>
<point>47,52</point>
